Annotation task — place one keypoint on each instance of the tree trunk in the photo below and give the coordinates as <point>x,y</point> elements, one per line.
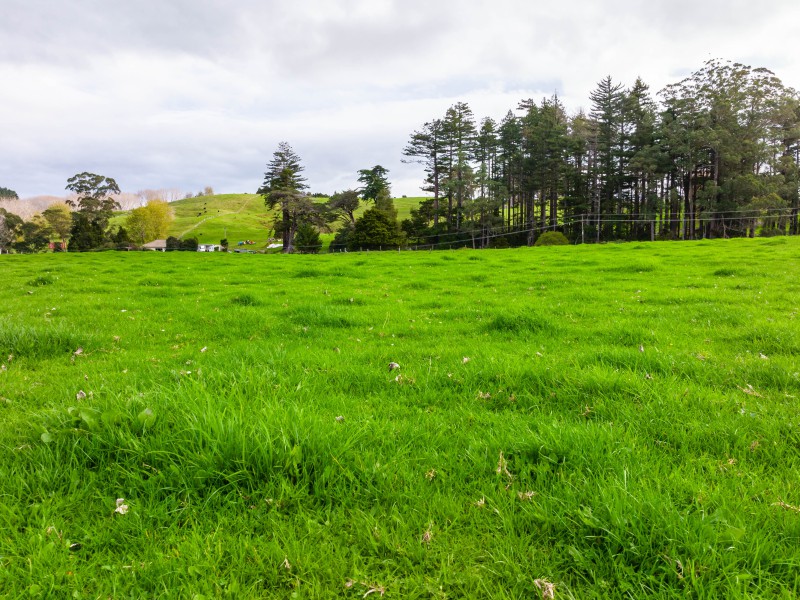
<point>287,237</point>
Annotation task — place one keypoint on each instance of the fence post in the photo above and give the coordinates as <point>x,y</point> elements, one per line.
<point>582,238</point>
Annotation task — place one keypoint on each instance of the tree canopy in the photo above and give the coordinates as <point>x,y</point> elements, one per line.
<point>95,196</point>
<point>10,225</point>
<point>149,222</point>
<point>375,230</point>
<point>59,219</point>
<point>376,184</point>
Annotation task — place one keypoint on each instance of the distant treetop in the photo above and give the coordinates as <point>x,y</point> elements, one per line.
<point>7,194</point>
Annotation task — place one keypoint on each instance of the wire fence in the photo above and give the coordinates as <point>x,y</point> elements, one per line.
<point>482,237</point>
<point>597,224</point>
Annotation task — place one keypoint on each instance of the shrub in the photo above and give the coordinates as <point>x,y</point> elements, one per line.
<point>376,230</point>
<point>342,238</point>
<point>306,239</point>
<point>552,238</point>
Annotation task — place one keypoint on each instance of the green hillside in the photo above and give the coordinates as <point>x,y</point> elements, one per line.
<point>237,217</point>
<point>212,218</point>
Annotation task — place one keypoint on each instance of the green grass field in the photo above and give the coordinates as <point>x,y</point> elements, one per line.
<point>620,421</point>
<point>238,217</point>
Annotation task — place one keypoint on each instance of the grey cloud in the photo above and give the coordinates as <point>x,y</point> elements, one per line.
<point>75,32</point>
<point>187,93</point>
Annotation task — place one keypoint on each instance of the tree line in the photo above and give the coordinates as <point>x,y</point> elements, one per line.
<point>81,223</point>
<point>83,220</point>
<point>716,156</point>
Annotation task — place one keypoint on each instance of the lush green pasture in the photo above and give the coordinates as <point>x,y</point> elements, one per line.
<point>621,421</point>
<point>238,217</point>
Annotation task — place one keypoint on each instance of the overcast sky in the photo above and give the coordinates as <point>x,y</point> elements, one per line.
<point>189,93</point>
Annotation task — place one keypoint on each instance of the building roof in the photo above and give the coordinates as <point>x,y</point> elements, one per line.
<point>156,245</point>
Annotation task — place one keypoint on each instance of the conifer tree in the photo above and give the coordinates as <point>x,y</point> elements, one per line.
<point>426,147</point>
<point>284,187</point>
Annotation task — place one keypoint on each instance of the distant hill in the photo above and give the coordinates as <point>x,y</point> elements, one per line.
<point>28,207</point>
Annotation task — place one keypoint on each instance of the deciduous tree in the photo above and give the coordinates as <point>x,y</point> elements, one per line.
<point>9,228</point>
<point>150,222</point>
<point>95,196</point>
<point>59,218</point>
<point>35,235</point>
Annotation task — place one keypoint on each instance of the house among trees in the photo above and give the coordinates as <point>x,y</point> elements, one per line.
<point>209,248</point>
<point>159,245</point>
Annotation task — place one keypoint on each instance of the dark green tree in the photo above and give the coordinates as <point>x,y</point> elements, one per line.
<point>121,238</point>
<point>577,197</point>
<point>484,212</point>
<point>86,233</point>
<point>545,144</point>
<point>511,168</point>
<point>376,184</point>
<point>725,125</point>
<point>607,104</point>
<point>486,150</point>
<point>35,235</point>
<point>459,143</point>
<point>377,189</point>
<point>341,240</point>
<point>376,230</point>
<point>306,240</point>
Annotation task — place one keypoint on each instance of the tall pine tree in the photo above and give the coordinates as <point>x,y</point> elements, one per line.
<point>284,187</point>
